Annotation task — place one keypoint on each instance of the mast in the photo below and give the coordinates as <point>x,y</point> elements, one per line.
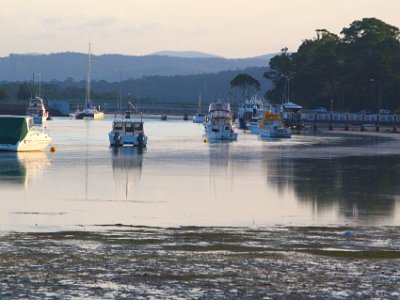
<point>88,78</point>
<point>40,85</point>
<point>199,108</point>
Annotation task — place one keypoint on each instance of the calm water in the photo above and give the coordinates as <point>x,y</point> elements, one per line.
<point>180,180</point>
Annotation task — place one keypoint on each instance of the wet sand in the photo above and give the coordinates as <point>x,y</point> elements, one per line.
<point>202,263</point>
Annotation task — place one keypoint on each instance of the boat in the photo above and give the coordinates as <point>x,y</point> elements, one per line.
<point>253,127</point>
<point>19,133</point>
<point>90,112</point>
<point>37,111</point>
<point>271,126</point>
<point>127,131</point>
<point>199,117</point>
<point>164,117</point>
<point>249,111</point>
<point>218,124</point>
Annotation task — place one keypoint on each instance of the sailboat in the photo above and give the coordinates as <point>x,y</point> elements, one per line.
<point>90,111</point>
<point>199,117</point>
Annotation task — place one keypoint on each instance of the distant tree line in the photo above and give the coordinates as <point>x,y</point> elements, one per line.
<point>358,70</point>
<point>183,89</point>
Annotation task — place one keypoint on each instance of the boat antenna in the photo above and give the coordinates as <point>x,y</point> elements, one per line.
<point>131,105</point>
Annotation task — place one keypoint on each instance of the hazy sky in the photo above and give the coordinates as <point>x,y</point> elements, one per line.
<point>230,28</point>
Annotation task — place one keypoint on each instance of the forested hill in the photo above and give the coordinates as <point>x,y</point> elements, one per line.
<point>158,89</point>
<point>109,67</point>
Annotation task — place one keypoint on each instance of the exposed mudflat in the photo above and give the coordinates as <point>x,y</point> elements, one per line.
<point>202,262</point>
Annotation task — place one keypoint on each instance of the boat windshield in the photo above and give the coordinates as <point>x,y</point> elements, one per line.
<point>138,126</point>
<point>220,114</point>
<point>118,126</point>
<point>221,121</point>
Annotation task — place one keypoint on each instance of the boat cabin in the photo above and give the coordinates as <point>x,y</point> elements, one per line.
<point>126,127</point>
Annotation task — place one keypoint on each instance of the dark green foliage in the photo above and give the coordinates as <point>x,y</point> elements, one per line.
<point>247,84</point>
<point>340,68</point>
<point>280,72</point>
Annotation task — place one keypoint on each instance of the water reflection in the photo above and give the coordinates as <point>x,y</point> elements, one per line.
<point>18,169</point>
<point>363,188</point>
<point>127,163</point>
<point>220,166</point>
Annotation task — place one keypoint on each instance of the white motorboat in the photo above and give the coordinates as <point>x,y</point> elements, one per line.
<point>218,124</point>
<point>37,111</point>
<point>19,133</point>
<point>90,112</point>
<point>198,118</point>
<point>253,127</point>
<point>270,126</point>
<point>127,131</point>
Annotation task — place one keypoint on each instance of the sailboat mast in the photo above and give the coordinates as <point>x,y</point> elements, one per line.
<point>88,78</point>
<point>199,108</point>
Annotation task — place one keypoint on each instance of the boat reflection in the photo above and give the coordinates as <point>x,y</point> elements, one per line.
<point>360,188</point>
<point>21,167</point>
<point>127,163</point>
<point>221,168</point>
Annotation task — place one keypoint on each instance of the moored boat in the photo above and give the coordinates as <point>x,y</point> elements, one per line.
<point>270,126</point>
<point>19,133</point>
<point>218,124</point>
<point>90,112</point>
<point>127,131</point>
<point>198,118</point>
<point>249,111</point>
<point>253,127</point>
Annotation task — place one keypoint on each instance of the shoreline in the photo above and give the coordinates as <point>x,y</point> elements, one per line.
<point>202,263</point>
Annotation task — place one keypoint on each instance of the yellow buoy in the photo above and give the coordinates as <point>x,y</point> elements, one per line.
<point>205,140</point>
<point>52,149</point>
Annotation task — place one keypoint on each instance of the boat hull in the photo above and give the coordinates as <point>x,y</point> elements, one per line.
<point>32,142</point>
<point>275,134</point>
<point>89,116</point>
<point>198,119</point>
<point>231,136</point>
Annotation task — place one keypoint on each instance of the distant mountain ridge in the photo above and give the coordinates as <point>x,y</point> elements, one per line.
<point>110,67</point>
<point>186,54</point>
